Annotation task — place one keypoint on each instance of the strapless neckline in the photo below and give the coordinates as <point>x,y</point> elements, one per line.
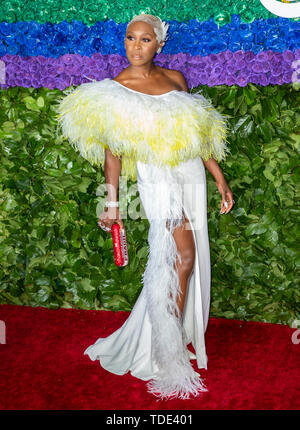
<point>145,94</point>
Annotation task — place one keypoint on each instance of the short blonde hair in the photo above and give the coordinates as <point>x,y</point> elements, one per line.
<point>160,28</point>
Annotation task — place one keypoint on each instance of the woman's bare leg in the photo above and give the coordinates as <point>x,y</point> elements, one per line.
<point>184,239</point>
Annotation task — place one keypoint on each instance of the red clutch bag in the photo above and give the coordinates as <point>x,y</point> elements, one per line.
<point>120,245</point>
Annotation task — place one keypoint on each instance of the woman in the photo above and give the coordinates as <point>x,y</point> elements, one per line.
<point>145,124</point>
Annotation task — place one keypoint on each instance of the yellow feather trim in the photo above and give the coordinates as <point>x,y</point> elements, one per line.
<point>161,129</point>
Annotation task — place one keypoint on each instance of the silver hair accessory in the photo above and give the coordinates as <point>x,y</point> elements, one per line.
<point>160,27</point>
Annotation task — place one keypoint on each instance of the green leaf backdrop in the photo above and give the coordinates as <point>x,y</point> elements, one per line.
<point>53,254</point>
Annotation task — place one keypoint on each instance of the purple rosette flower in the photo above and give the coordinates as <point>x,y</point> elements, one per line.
<point>256,66</point>
<point>18,81</point>
<point>44,81</point>
<point>35,83</point>
<point>288,56</point>
<point>263,79</point>
<point>75,80</point>
<point>217,71</point>
<point>280,80</point>
<point>9,58</point>
<point>101,62</point>
<point>221,57</point>
<point>276,70</point>
<point>114,60</point>
<point>36,77</point>
<point>228,55</point>
<point>287,77</point>
<point>213,81</point>
<point>27,83</point>
<point>51,83</point>
<point>12,69</point>
<point>229,69</point>
<point>192,74</point>
<point>270,55</point>
<point>229,80</point>
<point>240,64</point>
<point>238,55</point>
<point>40,59</point>
<point>212,59</point>
<point>273,80</point>
<point>203,79</point>
<point>174,64</point>
<point>67,59</point>
<point>63,82</point>
<point>242,79</point>
<point>261,56</point>
<point>208,70</point>
<point>265,66</point>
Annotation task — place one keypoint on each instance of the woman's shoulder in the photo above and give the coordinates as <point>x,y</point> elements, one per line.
<point>172,73</point>
<point>122,77</point>
<point>171,77</point>
<point>177,77</point>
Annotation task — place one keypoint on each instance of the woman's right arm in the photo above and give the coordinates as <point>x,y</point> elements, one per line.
<point>112,170</point>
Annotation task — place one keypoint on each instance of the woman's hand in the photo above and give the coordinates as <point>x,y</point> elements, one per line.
<point>227,197</point>
<point>108,218</point>
<point>226,194</point>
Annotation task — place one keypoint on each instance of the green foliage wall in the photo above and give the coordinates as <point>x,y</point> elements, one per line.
<point>53,254</point>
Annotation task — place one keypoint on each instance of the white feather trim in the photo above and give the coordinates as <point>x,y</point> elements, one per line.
<point>160,129</point>
<point>176,376</point>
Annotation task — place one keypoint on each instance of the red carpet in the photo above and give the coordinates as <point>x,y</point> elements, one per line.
<point>251,365</point>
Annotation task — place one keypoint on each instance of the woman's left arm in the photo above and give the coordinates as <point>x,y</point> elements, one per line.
<point>211,165</point>
<point>223,188</point>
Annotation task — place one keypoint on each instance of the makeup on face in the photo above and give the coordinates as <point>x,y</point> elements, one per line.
<point>145,41</point>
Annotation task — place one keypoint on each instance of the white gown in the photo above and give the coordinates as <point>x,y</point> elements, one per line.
<point>130,348</point>
<point>162,140</point>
